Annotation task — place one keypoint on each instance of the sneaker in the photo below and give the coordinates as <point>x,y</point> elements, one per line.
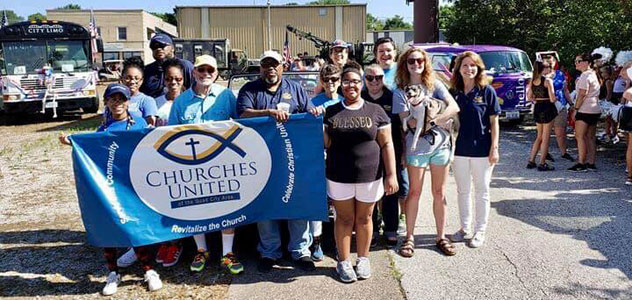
<point>317,250</point>
<point>549,157</point>
<point>591,167</point>
<point>531,165</point>
<point>162,253</point>
<point>305,263</point>
<point>628,181</point>
<point>153,280</point>
<point>578,168</point>
<point>111,284</point>
<point>229,263</point>
<point>615,140</point>
<point>127,259</point>
<point>265,264</point>
<point>478,240</point>
<point>199,261</point>
<point>568,157</point>
<point>345,272</point>
<point>461,236</point>
<point>363,268</point>
<point>173,255</point>
<point>545,167</point>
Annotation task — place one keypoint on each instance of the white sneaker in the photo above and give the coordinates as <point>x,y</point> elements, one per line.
<point>478,240</point>
<point>461,236</point>
<point>111,284</point>
<point>127,259</point>
<point>363,268</point>
<point>153,280</point>
<point>628,182</point>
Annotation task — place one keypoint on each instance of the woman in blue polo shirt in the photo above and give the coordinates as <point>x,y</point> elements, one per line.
<point>476,150</point>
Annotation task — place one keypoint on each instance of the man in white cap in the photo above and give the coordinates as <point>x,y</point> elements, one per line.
<point>207,101</point>
<point>277,97</point>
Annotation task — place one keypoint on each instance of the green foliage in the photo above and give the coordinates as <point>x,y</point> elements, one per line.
<point>396,23</point>
<point>70,6</point>
<point>329,2</point>
<point>12,16</point>
<point>446,14</point>
<point>568,27</point>
<point>373,23</point>
<point>36,17</point>
<point>167,17</point>
<point>291,4</point>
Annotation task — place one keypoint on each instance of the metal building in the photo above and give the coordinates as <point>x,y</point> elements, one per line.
<point>247,26</point>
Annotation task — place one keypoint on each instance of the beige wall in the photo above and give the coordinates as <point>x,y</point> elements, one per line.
<point>246,27</point>
<point>137,22</point>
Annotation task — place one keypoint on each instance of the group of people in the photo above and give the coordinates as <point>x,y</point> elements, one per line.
<point>372,166</point>
<point>554,105</point>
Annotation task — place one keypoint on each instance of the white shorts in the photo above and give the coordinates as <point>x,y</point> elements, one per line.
<point>368,192</point>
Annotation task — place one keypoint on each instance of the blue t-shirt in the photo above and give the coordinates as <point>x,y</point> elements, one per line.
<point>189,108</point>
<point>142,105</point>
<point>154,82</point>
<point>324,101</point>
<point>475,134</point>
<point>559,81</point>
<point>123,125</point>
<point>254,95</point>
<point>389,77</point>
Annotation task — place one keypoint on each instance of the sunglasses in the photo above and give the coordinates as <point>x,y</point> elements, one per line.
<point>270,63</point>
<point>331,79</point>
<point>376,77</point>
<point>177,79</point>
<point>157,45</point>
<point>209,70</point>
<point>412,61</point>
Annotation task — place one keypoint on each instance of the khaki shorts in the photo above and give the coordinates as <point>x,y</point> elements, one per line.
<point>562,118</point>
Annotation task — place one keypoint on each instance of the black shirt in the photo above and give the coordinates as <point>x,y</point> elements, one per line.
<point>154,82</point>
<point>354,154</point>
<point>386,102</point>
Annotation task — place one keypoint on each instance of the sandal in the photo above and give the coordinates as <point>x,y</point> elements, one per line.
<point>407,249</point>
<point>446,247</point>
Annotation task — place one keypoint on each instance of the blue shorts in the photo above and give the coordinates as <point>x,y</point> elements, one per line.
<point>439,157</point>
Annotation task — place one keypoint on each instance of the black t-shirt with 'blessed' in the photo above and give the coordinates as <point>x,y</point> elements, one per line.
<point>354,154</point>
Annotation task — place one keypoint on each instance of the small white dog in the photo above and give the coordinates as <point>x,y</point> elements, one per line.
<point>423,109</point>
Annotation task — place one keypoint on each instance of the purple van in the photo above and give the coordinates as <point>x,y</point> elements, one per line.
<point>508,69</point>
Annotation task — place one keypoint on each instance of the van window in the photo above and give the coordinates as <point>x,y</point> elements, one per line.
<point>506,61</point>
<point>441,61</point>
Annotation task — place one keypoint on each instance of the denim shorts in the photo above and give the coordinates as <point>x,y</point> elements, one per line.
<point>439,157</point>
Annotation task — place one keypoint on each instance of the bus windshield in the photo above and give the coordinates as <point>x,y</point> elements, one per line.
<point>28,57</point>
<point>506,61</point>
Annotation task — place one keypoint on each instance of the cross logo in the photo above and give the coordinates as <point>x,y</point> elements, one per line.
<point>199,156</point>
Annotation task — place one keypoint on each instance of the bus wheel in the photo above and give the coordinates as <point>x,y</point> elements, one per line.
<point>92,109</point>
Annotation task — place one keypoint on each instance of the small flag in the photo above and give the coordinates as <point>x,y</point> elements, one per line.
<point>5,19</point>
<point>286,52</point>
<point>94,35</point>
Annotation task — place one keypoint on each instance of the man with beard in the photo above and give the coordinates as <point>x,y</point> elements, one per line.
<point>277,97</point>
<point>162,49</point>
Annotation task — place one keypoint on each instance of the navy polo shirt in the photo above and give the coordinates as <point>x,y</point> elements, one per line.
<point>154,78</point>
<point>255,95</point>
<point>475,135</point>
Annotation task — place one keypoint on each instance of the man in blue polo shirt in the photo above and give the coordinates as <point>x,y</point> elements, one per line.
<point>267,96</point>
<point>207,101</point>
<point>162,49</point>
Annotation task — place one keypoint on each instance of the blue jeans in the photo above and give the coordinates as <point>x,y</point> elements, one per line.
<point>270,239</point>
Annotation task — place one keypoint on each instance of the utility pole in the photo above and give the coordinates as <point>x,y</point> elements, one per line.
<point>269,29</point>
<point>426,20</point>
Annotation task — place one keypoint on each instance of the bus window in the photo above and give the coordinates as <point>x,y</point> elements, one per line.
<point>68,56</point>
<point>24,57</point>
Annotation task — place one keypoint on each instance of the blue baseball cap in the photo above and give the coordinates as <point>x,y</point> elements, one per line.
<point>339,44</point>
<point>161,39</point>
<point>115,88</point>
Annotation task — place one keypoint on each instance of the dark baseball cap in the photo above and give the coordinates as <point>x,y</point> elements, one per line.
<point>160,39</point>
<point>115,88</point>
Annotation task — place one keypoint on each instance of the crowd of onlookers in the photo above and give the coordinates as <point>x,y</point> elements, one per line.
<point>375,165</point>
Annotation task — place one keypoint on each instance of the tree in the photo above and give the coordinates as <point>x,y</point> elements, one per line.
<point>373,23</point>
<point>70,6</point>
<point>36,17</point>
<point>167,17</point>
<point>446,15</point>
<point>395,23</point>
<point>13,17</point>
<point>291,4</point>
<point>329,2</point>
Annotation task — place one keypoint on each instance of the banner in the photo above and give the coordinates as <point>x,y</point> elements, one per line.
<point>142,187</point>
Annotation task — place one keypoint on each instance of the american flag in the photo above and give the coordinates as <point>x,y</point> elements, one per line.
<point>94,34</point>
<point>286,52</point>
<point>5,19</point>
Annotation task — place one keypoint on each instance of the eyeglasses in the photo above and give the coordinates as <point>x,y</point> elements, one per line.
<point>209,70</point>
<point>331,79</point>
<point>578,60</point>
<point>376,77</point>
<point>177,79</point>
<point>412,61</point>
<point>130,79</point>
<point>270,63</point>
<point>351,83</point>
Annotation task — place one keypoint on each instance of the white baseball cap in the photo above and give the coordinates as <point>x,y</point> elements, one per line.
<point>271,54</point>
<point>205,60</point>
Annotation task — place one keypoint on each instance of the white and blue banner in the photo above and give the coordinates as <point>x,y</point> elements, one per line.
<point>142,187</point>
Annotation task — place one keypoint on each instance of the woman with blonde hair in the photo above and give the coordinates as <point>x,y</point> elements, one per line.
<point>476,151</point>
<point>433,150</point>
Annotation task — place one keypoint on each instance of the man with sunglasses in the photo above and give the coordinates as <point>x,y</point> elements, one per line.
<point>271,95</point>
<point>161,46</point>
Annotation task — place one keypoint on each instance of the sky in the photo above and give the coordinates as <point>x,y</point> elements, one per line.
<point>382,9</point>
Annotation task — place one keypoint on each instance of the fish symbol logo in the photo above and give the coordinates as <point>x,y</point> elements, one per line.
<point>223,141</point>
